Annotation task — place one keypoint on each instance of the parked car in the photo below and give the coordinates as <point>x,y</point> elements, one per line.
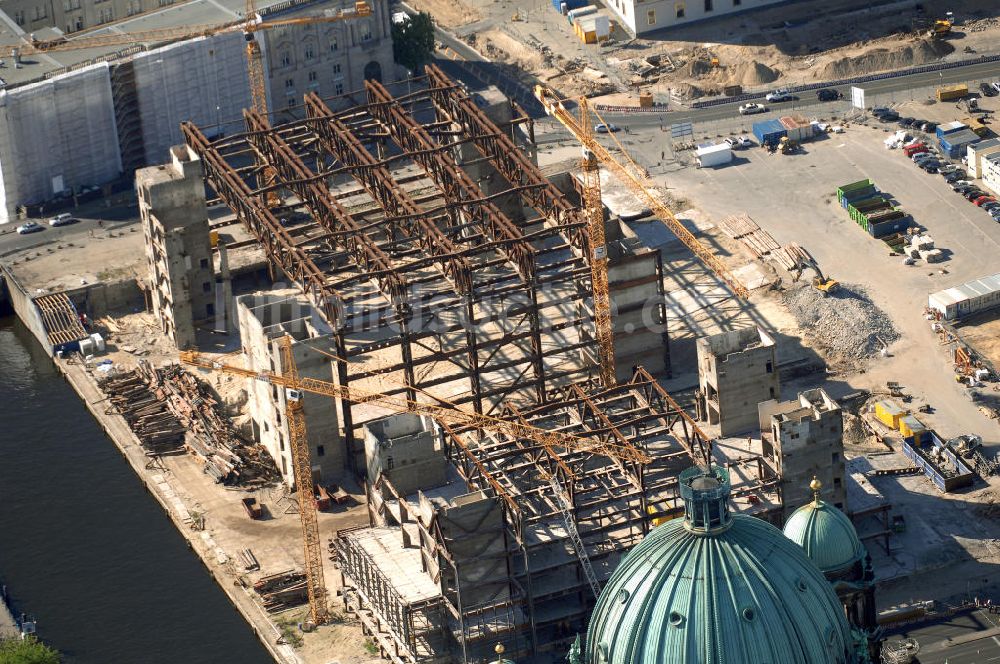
<point>828,94</point>
<point>987,90</point>
<point>904,122</point>
<point>973,194</point>
<point>62,219</point>
<point>921,156</point>
<point>881,110</point>
<point>989,206</point>
<point>29,227</point>
<point>979,202</point>
<point>779,95</point>
<point>606,128</point>
<point>995,85</point>
<point>891,116</point>
<point>949,168</point>
<point>738,142</point>
<point>950,177</point>
<point>752,108</point>
<point>930,166</point>
<point>995,214</point>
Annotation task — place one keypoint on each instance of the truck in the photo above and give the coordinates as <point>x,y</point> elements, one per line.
<point>951,92</point>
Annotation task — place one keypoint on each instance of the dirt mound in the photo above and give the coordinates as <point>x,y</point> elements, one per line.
<point>883,59</point>
<point>752,73</point>
<point>696,68</point>
<point>846,325</point>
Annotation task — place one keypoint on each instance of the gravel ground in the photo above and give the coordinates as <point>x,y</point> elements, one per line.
<point>846,325</point>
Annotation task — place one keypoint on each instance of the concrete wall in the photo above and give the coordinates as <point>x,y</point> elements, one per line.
<point>636,287</point>
<point>406,449</point>
<point>736,371</point>
<point>263,320</point>
<point>178,249</point>
<point>804,438</point>
<point>54,135</point>
<point>202,80</point>
<point>25,308</point>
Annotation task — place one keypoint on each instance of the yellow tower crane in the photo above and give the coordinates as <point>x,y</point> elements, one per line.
<point>581,131</point>
<point>294,385</point>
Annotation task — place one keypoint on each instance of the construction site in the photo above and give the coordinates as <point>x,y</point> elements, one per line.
<point>414,374</point>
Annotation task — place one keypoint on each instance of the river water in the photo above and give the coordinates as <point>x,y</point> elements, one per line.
<point>83,547</point>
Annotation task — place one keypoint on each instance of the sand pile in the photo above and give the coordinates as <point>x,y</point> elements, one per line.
<point>883,59</point>
<point>751,73</point>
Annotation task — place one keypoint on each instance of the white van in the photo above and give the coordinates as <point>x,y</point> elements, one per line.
<point>62,219</point>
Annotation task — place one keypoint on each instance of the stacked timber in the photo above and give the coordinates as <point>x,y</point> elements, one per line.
<point>149,418</point>
<point>169,409</point>
<point>282,591</point>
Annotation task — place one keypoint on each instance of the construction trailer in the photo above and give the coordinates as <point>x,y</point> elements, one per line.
<point>478,539</point>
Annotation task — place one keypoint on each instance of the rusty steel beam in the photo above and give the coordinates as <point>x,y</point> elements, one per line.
<point>511,162</point>
<point>332,216</point>
<point>338,140</point>
<point>278,245</point>
<point>456,185</point>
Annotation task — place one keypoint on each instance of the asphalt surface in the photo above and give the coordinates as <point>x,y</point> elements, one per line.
<point>808,99</point>
<point>969,638</point>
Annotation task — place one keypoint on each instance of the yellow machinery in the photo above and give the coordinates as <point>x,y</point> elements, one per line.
<point>788,145</point>
<point>554,107</point>
<point>294,385</point>
<point>941,28</point>
<point>819,282</point>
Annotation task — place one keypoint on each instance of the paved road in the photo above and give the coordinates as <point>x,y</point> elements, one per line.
<point>808,99</point>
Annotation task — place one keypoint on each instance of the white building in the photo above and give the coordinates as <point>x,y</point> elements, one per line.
<point>990,172</point>
<point>640,16</point>
<point>977,151</point>
<point>967,299</point>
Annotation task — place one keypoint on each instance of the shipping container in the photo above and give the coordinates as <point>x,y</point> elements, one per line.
<point>797,127</point>
<point>949,92</point>
<point>569,4</point>
<point>949,128</point>
<point>714,155</point>
<point>881,229</point>
<point>889,413</point>
<point>769,132</point>
<point>910,426</point>
<point>967,299</point>
<point>855,191</point>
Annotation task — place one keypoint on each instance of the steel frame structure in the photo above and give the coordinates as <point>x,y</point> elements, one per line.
<point>612,503</point>
<point>425,280</point>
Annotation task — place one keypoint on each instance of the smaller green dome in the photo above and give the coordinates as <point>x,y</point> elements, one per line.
<point>826,534</point>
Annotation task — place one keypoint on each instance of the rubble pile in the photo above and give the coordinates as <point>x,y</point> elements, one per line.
<point>168,408</point>
<point>845,324</point>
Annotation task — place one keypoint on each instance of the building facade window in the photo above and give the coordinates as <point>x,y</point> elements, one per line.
<point>336,69</point>
<point>679,10</point>
<point>312,76</point>
<point>310,52</point>
<point>19,17</point>
<point>39,12</point>
<point>134,7</point>
<point>289,83</point>
<point>651,17</point>
<point>286,59</point>
<point>333,45</point>
<point>70,5</point>
<point>366,32</point>
<point>708,5</point>
<point>291,102</point>
<point>338,89</point>
<point>106,15</point>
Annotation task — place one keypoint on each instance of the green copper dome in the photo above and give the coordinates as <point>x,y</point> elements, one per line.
<point>826,535</point>
<point>716,588</point>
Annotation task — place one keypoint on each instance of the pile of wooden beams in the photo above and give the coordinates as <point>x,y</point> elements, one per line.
<point>756,239</point>
<point>154,425</point>
<point>169,409</point>
<point>283,590</point>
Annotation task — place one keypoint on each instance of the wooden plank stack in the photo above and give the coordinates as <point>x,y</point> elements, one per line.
<point>148,417</point>
<point>162,405</point>
<point>756,239</point>
<point>283,590</point>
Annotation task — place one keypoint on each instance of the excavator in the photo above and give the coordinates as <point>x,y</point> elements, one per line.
<point>819,282</point>
<point>940,29</point>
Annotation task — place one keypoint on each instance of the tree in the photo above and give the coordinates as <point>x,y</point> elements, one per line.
<point>27,651</point>
<point>413,41</point>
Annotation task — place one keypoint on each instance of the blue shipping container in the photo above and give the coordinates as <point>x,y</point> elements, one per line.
<point>955,144</point>
<point>858,195</point>
<point>949,128</point>
<point>769,131</point>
